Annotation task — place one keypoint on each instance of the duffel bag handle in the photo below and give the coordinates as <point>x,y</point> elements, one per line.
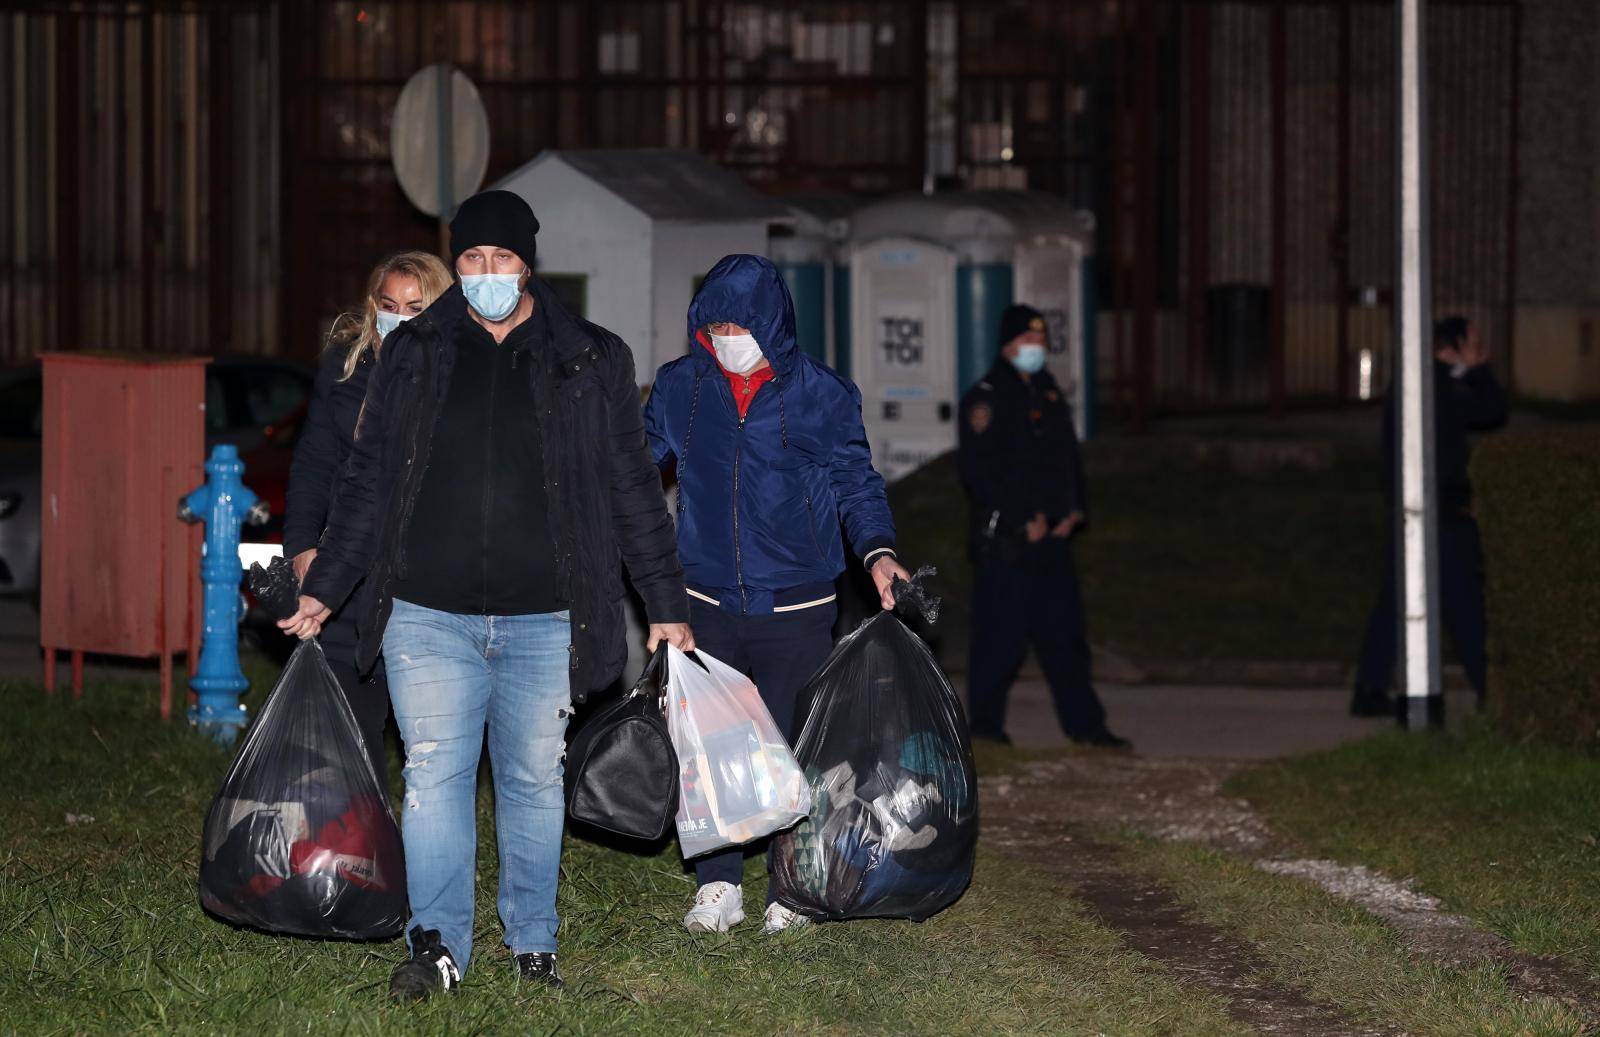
<point>653,679</point>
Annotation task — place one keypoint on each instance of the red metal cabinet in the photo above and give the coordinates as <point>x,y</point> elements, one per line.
<point>124,438</point>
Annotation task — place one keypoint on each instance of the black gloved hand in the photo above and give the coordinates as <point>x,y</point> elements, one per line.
<point>276,588</point>
<point>915,594</point>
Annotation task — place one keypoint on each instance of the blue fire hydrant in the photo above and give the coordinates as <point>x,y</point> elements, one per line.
<point>224,504</point>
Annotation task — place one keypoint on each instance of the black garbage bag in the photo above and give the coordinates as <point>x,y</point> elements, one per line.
<point>894,812</point>
<point>300,838</point>
<point>276,587</point>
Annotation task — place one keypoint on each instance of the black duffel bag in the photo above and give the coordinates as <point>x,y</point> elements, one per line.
<point>622,772</point>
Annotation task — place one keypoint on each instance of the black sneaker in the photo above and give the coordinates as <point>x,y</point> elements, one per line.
<point>430,968</point>
<point>998,737</point>
<point>1102,738</point>
<point>539,967</point>
<point>1369,703</point>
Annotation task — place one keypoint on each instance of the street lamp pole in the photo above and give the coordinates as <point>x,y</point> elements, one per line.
<point>1418,551</point>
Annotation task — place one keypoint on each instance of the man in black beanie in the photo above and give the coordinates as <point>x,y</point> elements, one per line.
<point>1018,457</point>
<point>499,472</point>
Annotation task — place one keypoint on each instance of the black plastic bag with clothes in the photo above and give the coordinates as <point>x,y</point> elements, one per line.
<point>894,813</point>
<point>300,838</point>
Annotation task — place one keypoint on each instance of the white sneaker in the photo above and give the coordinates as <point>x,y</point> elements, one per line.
<point>718,907</point>
<point>780,918</point>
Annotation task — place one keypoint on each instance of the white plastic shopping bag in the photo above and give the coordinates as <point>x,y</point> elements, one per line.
<point>738,779</point>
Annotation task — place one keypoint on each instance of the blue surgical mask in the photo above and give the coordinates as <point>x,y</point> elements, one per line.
<point>1029,359</point>
<point>493,296</point>
<point>387,322</point>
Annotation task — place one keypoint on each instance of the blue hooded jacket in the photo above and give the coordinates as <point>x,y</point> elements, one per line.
<point>761,499</point>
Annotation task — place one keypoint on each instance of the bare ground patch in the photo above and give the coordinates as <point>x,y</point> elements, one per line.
<point>1035,813</point>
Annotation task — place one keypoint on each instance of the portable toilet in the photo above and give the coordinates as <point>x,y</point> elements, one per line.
<point>626,235</point>
<point>903,357</point>
<point>807,251</point>
<point>952,263</point>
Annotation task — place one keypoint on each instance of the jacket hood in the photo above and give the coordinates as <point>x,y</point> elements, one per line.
<point>747,291</point>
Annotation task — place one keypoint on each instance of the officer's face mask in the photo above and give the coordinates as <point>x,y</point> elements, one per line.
<point>492,296</point>
<point>740,354</point>
<point>1029,358</point>
<point>387,322</point>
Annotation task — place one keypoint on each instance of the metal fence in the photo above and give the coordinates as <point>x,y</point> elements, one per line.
<point>187,177</point>
<point>808,96</point>
<point>1252,230</point>
<point>138,195</point>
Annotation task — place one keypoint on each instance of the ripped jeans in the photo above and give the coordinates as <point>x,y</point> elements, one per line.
<point>449,675</point>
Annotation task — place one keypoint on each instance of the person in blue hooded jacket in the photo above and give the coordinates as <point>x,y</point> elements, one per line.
<point>771,459</point>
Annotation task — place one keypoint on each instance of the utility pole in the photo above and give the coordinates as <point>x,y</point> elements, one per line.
<point>1418,546</point>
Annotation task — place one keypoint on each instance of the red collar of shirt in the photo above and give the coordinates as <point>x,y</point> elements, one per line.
<point>744,386</point>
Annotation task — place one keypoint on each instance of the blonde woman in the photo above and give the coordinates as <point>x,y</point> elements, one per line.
<point>400,287</point>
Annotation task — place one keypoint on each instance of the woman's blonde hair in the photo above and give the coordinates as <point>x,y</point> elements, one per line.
<point>358,332</point>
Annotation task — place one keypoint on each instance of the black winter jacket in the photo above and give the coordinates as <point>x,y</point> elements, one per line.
<point>605,499</point>
<point>1470,402</point>
<point>320,456</point>
<point>1018,453</point>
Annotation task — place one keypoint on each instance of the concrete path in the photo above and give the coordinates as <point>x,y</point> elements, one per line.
<point>1212,723</point>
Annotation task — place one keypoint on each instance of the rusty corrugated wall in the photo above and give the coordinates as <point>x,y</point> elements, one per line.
<point>190,177</point>
<point>1254,225</point>
<point>139,185</point>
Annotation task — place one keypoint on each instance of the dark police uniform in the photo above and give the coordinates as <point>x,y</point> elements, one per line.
<point>1018,457</point>
<point>1463,402</point>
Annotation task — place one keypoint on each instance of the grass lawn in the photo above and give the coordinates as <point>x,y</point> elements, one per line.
<point>1186,562</point>
<point>103,931</point>
<point>1508,834</point>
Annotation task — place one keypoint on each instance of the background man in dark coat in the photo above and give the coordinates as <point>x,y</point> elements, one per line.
<point>499,479</point>
<point>1019,460</point>
<point>1466,398</point>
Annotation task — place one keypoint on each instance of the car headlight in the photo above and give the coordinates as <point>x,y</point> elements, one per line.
<point>9,503</point>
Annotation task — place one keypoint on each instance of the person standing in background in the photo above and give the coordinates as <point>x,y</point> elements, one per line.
<point>1466,398</point>
<point>1018,456</point>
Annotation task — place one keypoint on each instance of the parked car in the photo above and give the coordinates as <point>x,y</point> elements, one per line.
<point>247,398</point>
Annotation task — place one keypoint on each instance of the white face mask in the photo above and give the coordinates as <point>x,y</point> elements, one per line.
<point>387,322</point>
<point>1029,359</point>
<point>738,353</point>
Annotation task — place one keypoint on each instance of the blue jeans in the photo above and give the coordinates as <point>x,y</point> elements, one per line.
<point>449,675</point>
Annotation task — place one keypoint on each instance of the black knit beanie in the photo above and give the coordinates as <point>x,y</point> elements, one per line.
<point>495,218</point>
<point>1018,320</point>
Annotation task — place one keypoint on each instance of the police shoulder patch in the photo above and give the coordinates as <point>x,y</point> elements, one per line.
<point>979,415</point>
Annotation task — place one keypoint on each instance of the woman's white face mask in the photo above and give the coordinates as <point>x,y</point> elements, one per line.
<point>740,354</point>
<point>387,322</point>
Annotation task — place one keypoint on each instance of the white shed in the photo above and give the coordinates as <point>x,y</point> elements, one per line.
<point>626,234</point>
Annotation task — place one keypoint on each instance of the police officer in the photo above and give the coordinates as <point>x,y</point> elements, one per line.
<point>1466,398</point>
<point>1019,460</point>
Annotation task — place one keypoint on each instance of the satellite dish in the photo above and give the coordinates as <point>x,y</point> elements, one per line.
<point>439,140</point>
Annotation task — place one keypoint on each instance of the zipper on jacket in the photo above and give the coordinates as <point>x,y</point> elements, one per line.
<point>553,524</point>
<point>811,525</point>
<point>488,477</point>
<point>738,559</point>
